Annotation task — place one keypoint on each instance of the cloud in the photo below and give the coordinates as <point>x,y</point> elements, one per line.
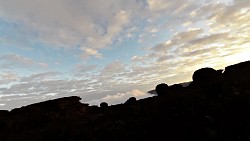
<point>112,68</point>
<point>121,97</point>
<point>15,34</point>
<point>91,52</point>
<point>209,39</point>
<point>44,86</point>
<point>200,44</point>
<point>137,58</point>
<point>12,61</point>
<point>40,77</point>
<point>163,5</point>
<point>92,24</point>
<point>178,39</point>
<point>87,23</point>
<point>8,77</point>
<point>83,70</point>
<point>238,12</point>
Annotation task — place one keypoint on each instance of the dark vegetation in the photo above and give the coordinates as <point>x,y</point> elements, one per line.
<point>215,106</point>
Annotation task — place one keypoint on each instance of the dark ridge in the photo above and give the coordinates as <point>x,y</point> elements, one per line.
<point>215,106</point>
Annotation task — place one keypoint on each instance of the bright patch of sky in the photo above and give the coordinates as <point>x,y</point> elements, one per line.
<point>112,50</point>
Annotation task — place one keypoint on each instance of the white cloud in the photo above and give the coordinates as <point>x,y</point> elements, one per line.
<point>114,67</point>
<point>83,69</point>
<point>40,77</point>
<point>91,52</point>
<point>93,24</point>
<point>16,61</point>
<point>177,39</point>
<point>88,23</point>
<point>137,58</point>
<point>8,77</point>
<point>200,45</point>
<point>158,5</point>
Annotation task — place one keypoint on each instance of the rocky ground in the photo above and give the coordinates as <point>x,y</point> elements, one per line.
<point>215,106</point>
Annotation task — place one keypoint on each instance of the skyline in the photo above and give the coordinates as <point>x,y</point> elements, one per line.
<point>110,51</point>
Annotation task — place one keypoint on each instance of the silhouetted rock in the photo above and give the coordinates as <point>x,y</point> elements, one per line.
<point>175,87</point>
<point>192,113</point>
<point>220,71</point>
<point>131,100</point>
<point>104,106</point>
<point>4,112</point>
<point>210,80</point>
<point>162,89</point>
<point>204,74</point>
<point>238,73</point>
<point>184,84</point>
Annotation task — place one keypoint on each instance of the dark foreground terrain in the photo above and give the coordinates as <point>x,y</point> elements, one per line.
<point>214,107</point>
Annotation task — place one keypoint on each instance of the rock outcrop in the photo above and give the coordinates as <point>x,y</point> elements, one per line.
<point>211,108</point>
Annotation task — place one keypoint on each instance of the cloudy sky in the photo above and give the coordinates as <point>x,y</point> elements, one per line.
<point>114,49</point>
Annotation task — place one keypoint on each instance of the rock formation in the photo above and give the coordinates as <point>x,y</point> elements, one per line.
<point>214,107</point>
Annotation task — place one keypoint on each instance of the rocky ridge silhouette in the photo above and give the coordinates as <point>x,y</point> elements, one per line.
<point>215,106</point>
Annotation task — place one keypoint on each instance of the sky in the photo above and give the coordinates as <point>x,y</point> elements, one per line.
<point>108,51</point>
